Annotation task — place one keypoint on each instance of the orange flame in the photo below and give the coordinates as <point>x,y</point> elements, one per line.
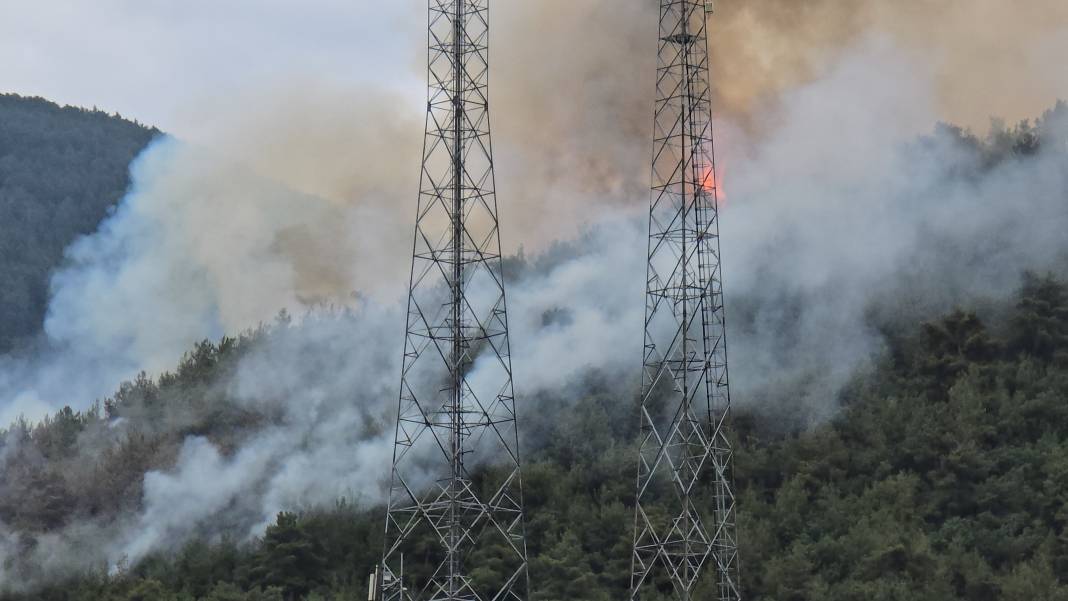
<point>712,183</point>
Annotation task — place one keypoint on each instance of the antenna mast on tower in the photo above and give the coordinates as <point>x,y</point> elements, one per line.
<point>456,410</point>
<point>684,535</point>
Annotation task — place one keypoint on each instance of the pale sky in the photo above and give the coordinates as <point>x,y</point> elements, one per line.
<point>175,64</point>
<point>168,63</point>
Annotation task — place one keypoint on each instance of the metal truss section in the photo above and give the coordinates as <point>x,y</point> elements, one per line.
<point>684,535</point>
<point>454,526</point>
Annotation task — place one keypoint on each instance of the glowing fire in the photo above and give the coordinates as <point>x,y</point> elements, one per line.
<point>712,183</point>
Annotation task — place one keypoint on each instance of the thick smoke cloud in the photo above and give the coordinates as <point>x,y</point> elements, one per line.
<point>987,57</point>
<point>841,214</point>
<point>834,212</point>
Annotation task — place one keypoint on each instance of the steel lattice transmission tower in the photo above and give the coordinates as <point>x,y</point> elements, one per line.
<point>684,537</point>
<point>456,410</point>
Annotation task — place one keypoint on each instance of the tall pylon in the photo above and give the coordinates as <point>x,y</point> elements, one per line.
<point>456,492</point>
<point>684,533</point>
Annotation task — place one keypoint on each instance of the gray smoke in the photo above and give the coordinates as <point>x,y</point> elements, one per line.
<point>834,213</point>
<point>842,212</point>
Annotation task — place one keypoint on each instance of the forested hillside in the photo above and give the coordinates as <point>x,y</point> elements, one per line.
<point>944,477</point>
<point>61,169</point>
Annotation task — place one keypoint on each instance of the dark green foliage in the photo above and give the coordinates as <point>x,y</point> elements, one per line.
<point>945,476</point>
<point>943,480</point>
<point>289,558</point>
<point>61,170</point>
<point>1040,327</point>
<point>951,345</point>
<point>44,483</point>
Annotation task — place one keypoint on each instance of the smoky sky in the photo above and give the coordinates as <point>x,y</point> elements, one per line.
<point>170,64</point>
<point>292,175</point>
<point>987,58</point>
<point>293,184</point>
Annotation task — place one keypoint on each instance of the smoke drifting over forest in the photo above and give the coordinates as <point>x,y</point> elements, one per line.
<point>839,218</point>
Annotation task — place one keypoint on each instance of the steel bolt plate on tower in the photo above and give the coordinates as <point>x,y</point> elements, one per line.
<point>684,533</point>
<point>456,492</point>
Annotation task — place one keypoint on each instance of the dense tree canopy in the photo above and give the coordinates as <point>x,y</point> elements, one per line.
<point>943,474</point>
<point>61,169</point>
